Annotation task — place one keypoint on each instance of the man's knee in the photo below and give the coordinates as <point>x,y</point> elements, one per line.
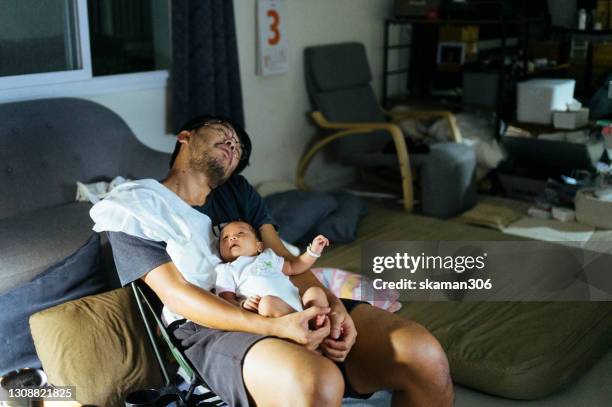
<point>320,384</point>
<point>418,353</point>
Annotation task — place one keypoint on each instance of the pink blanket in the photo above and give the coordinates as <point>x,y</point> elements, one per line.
<point>345,284</point>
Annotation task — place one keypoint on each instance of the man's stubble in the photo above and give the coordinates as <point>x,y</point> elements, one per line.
<point>201,160</point>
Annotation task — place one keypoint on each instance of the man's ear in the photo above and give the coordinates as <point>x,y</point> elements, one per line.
<point>183,137</point>
<point>260,247</point>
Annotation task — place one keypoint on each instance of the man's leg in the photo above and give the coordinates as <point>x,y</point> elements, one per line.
<point>398,354</point>
<point>281,373</point>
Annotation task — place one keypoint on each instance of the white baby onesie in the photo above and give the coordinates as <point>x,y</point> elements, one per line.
<point>258,275</point>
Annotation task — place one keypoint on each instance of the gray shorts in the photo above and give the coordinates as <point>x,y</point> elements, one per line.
<point>218,357</point>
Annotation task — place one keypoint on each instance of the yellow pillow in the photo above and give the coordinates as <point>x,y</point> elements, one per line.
<point>98,344</point>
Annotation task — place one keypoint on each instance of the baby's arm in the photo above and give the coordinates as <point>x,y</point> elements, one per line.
<point>300,264</point>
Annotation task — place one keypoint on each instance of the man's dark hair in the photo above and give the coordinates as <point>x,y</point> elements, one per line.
<point>202,120</point>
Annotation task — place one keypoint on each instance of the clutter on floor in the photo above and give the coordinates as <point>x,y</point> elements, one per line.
<point>490,215</point>
<point>550,230</point>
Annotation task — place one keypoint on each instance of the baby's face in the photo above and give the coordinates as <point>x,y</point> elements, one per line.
<point>238,239</point>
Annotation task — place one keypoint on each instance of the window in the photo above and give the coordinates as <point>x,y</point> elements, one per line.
<point>128,36</point>
<point>56,41</point>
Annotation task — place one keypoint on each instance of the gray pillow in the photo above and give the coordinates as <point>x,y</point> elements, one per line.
<point>296,212</point>
<point>341,225</point>
<point>74,277</point>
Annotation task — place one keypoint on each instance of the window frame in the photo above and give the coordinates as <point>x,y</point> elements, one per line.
<point>79,11</point>
<point>78,82</point>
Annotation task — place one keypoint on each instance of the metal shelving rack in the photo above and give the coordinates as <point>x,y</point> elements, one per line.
<point>503,23</point>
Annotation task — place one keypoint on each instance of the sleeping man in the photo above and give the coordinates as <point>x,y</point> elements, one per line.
<point>158,234</point>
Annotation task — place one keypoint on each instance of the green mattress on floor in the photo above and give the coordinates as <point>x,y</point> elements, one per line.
<point>509,349</point>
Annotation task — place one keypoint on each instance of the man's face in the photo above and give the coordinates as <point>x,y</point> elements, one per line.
<point>215,149</point>
<point>238,239</point>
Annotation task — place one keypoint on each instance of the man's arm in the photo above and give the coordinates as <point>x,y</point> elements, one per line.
<point>205,308</point>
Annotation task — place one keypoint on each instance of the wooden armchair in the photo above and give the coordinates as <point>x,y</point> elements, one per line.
<point>357,128</point>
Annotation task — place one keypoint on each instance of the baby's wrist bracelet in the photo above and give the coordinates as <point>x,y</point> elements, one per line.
<point>311,253</point>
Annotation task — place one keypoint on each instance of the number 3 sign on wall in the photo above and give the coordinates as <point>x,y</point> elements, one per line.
<point>271,37</point>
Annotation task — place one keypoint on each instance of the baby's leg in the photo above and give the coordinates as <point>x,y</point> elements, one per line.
<point>316,296</point>
<point>272,306</point>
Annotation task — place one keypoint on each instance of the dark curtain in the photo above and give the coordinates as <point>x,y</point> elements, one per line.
<point>205,69</point>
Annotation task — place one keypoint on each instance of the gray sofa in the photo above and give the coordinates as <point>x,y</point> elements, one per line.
<point>46,146</point>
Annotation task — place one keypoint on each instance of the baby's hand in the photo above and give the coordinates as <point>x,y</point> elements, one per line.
<point>318,243</point>
<point>251,303</point>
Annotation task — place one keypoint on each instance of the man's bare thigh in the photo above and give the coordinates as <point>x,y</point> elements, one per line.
<point>274,367</point>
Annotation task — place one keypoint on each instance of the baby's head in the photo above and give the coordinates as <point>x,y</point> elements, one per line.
<point>239,239</point>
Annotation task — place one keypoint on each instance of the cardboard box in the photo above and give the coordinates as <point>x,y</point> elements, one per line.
<point>538,98</point>
<point>571,120</point>
<point>460,34</point>
<point>602,54</point>
<point>604,13</point>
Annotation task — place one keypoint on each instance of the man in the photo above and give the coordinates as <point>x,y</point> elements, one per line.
<point>249,359</point>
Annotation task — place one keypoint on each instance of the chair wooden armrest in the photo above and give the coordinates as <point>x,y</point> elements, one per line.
<point>348,129</point>
<point>424,114</point>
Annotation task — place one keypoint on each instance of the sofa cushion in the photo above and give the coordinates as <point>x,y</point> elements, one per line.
<point>33,242</point>
<point>98,344</point>
<point>74,277</point>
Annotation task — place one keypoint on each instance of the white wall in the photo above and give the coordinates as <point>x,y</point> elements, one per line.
<point>276,107</point>
<point>145,111</point>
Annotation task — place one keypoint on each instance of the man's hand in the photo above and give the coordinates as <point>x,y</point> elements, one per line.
<point>252,303</point>
<point>294,326</point>
<point>343,334</point>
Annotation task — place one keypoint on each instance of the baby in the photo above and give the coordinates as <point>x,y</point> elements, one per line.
<point>258,279</point>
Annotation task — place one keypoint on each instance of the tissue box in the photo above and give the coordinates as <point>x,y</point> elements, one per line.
<point>571,120</point>
<point>538,98</point>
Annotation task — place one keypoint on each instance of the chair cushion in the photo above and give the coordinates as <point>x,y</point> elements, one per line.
<point>356,105</point>
<point>32,242</point>
<point>98,344</point>
<point>296,212</point>
<point>74,277</point>
<point>337,66</point>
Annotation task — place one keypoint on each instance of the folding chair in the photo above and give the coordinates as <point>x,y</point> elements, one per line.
<point>147,300</point>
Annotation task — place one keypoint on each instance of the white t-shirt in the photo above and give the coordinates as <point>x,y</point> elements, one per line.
<point>258,275</point>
